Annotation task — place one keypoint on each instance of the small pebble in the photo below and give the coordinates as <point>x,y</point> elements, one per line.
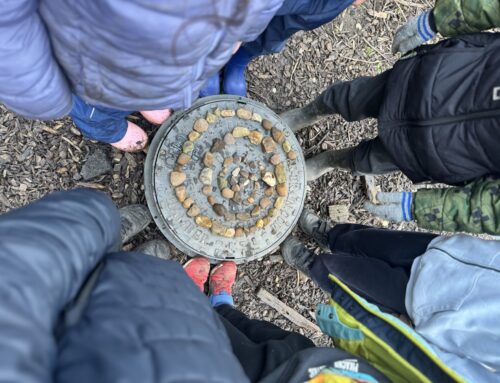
<point>211,118</point>
<point>229,139</point>
<point>275,159</point>
<point>219,209</point>
<point>255,137</point>
<point>255,212</point>
<point>183,159</point>
<point>278,135</point>
<point>292,155</point>
<point>286,146</point>
<point>227,193</point>
<point>264,202</point>
<point>187,203</point>
<point>236,159</point>
<point>180,193</point>
<point>268,145</point>
<point>218,145</point>
<point>187,147</point>
<point>193,211</point>
<point>266,124</point>
<point>227,161</point>
<point>244,114</point>
<point>177,178</point>
<point>200,125</point>
<point>236,172</point>
<point>239,232</point>
<point>227,113</point>
<point>256,117</point>
<point>211,200</point>
<point>239,132</point>
<point>207,190</point>
<point>282,189</point>
<point>208,159</point>
<point>206,176</point>
<point>278,204</point>
<point>269,179</point>
<point>203,221</point>
<point>193,136</point>
<point>243,216</point>
<point>269,191</point>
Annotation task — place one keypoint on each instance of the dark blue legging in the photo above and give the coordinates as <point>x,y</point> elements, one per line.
<point>374,263</point>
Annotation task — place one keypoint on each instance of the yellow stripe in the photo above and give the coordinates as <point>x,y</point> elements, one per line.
<point>381,316</point>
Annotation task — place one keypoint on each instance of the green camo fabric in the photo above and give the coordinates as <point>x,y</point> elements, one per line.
<point>454,17</point>
<point>474,208</point>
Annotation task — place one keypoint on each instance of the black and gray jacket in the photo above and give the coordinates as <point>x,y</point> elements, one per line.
<point>440,119</point>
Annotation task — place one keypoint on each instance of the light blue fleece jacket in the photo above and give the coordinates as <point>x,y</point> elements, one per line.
<point>453,298</point>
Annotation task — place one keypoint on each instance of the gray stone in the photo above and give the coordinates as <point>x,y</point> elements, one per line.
<point>98,163</point>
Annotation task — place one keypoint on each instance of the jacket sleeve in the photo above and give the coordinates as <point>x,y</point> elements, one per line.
<point>47,249</point>
<point>454,17</point>
<point>31,82</point>
<point>474,208</point>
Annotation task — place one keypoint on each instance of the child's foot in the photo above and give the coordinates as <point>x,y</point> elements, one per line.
<point>197,269</point>
<point>316,228</point>
<point>296,254</point>
<point>156,116</point>
<point>135,139</point>
<point>221,283</point>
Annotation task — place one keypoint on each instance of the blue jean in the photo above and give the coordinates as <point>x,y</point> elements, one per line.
<point>99,123</point>
<point>294,16</point>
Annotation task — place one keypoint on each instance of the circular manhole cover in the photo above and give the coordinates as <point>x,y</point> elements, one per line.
<point>232,191</point>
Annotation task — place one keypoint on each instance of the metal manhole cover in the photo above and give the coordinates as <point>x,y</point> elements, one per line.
<point>239,201</point>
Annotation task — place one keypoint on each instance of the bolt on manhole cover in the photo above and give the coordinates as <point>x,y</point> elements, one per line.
<point>225,179</point>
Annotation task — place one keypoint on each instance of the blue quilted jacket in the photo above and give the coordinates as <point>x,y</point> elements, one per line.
<point>133,319</point>
<point>123,54</point>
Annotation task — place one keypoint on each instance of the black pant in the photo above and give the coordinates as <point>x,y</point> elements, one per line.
<point>356,100</point>
<point>260,346</point>
<point>374,263</point>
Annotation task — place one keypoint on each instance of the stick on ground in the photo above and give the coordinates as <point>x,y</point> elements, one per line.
<point>289,313</point>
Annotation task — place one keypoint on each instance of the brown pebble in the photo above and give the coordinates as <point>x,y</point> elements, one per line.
<point>255,137</point>
<point>230,216</point>
<point>227,113</point>
<point>254,177</point>
<point>229,232</point>
<point>239,232</point>
<point>269,191</point>
<point>187,147</point>
<point>180,193</point>
<point>236,188</point>
<point>275,159</point>
<point>177,168</point>
<point>193,136</point>
<point>200,125</point>
<point>236,159</point>
<point>252,229</point>
<point>187,203</point>
<point>243,216</point>
<point>240,131</point>
<point>211,118</point>
<point>211,200</point>
<point>177,178</point>
<point>208,159</point>
<point>193,211</point>
<point>278,135</point>
<point>264,202</point>
<point>229,139</point>
<point>282,190</point>
<point>255,212</point>
<point>183,159</point>
<point>219,209</point>
<point>237,197</point>
<point>217,146</point>
<point>250,200</point>
<point>244,114</point>
<point>266,124</point>
<point>272,212</point>
<point>292,155</point>
<point>244,174</point>
<point>227,193</point>
<point>217,228</point>
<point>278,204</point>
<point>203,221</point>
<point>207,190</point>
<point>227,161</point>
<point>268,145</point>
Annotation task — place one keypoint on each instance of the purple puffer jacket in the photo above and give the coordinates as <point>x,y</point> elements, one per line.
<point>122,54</point>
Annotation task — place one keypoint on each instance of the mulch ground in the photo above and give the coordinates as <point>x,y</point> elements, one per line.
<point>37,157</point>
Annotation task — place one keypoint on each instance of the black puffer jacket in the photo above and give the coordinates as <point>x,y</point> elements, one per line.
<point>440,119</point>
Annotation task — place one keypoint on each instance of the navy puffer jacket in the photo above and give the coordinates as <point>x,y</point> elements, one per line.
<point>134,318</point>
<point>126,54</point>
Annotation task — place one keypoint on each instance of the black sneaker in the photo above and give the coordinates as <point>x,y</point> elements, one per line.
<point>315,227</point>
<point>134,219</point>
<point>296,254</point>
<point>156,248</point>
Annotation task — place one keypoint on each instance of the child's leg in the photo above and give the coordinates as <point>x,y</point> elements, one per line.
<point>369,157</point>
<point>354,100</point>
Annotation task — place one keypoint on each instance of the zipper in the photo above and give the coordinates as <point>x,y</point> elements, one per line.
<point>445,120</point>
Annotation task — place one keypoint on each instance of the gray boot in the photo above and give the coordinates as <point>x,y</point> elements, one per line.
<point>327,161</point>
<point>156,248</point>
<point>297,119</point>
<point>134,219</point>
<point>316,228</point>
<point>296,254</point>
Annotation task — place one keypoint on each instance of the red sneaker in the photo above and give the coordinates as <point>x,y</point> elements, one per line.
<point>197,269</point>
<point>222,278</point>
